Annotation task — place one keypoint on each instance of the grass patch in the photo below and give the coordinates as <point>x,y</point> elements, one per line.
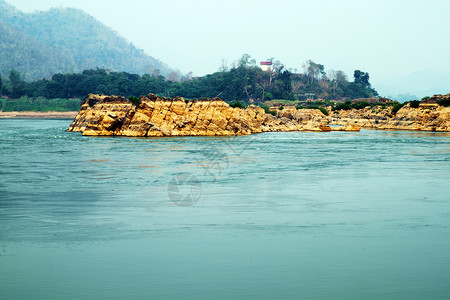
<point>39,104</point>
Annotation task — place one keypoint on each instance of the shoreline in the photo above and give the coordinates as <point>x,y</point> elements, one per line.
<point>38,114</point>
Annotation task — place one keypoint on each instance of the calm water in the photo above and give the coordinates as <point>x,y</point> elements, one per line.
<point>335,215</point>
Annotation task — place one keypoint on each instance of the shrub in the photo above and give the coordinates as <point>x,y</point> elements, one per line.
<point>281,107</point>
<point>134,100</point>
<point>360,104</point>
<point>444,102</point>
<point>396,107</point>
<point>238,104</point>
<point>324,111</point>
<point>414,103</point>
<point>347,105</point>
<point>267,109</point>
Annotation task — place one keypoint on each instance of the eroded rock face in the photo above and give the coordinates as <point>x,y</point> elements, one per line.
<point>425,118</point>
<point>156,116</point>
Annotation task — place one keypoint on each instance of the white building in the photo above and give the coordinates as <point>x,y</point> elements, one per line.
<point>265,65</point>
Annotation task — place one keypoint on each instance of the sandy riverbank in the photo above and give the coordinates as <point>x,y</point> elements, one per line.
<point>39,114</point>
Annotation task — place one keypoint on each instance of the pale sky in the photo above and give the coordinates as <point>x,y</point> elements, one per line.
<point>404,45</point>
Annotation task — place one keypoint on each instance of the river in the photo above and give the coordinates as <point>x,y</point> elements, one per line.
<point>336,215</point>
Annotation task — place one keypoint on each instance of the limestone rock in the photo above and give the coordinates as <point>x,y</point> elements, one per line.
<point>427,117</point>
<point>154,116</point>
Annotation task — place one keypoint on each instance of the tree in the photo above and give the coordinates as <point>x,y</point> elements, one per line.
<point>275,70</point>
<point>361,78</point>
<point>224,65</point>
<point>262,82</point>
<point>246,61</point>
<point>313,70</point>
<point>16,84</point>
<point>338,79</point>
<point>1,83</point>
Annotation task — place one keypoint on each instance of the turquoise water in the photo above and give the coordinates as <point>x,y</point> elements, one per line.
<point>337,215</point>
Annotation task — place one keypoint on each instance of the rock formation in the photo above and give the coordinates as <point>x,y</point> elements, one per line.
<point>427,117</point>
<point>156,116</point>
<point>153,116</point>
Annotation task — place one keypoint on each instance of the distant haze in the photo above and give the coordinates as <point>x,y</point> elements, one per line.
<point>404,45</point>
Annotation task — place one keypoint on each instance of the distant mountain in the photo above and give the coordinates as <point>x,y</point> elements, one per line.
<point>416,85</point>
<point>63,40</point>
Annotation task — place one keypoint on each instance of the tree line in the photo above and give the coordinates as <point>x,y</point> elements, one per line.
<point>243,81</point>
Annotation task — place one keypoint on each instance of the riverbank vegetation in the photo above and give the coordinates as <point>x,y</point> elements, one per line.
<point>240,84</point>
<point>243,81</point>
<point>26,103</point>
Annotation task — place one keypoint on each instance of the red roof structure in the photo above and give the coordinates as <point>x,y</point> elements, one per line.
<point>266,63</point>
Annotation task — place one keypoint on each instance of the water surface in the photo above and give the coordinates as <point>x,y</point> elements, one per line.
<point>342,215</point>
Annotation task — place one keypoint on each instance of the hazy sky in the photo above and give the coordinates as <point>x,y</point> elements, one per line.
<point>404,45</point>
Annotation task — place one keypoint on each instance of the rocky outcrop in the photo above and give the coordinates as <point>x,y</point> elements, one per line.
<point>155,116</point>
<point>425,118</point>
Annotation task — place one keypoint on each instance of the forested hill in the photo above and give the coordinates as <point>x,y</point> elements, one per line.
<point>63,40</point>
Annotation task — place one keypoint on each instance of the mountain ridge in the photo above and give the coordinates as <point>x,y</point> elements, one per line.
<point>72,39</point>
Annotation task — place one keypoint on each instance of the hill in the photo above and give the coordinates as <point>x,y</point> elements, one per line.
<point>63,40</point>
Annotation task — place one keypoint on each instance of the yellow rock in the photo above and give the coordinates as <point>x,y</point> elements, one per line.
<point>102,115</point>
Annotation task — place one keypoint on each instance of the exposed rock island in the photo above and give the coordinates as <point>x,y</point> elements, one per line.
<point>428,116</point>
<point>157,116</point>
<point>153,116</point>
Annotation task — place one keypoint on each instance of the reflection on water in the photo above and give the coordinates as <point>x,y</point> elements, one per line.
<point>278,215</point>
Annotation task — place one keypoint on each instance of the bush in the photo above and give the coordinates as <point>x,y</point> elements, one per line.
<point>324,111</point>
<point>414,103</point>
<point>347,105</point>
<point>134,100</point>
<point>444,102</point>
<point>267,109</point>
<point>360,105</point>
<point>396,107</point>
<point>281,107</point>
<point>238,104</point>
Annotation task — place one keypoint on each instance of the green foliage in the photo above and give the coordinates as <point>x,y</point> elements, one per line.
<point>39,104</point>
<point>396,107</point>
<point>324,111</point>
<point>276,102</point>
<point>281,107</point>
<point>444,102</point>
<point>361,78</point>
<point>16,84</point>
<point>315,105</point>
<point>243,83</point>
<point>267,109</point>
<point>238,104</point>
<point>414,103</point>
<point>134,100</point>
<point>425,98</point>
<point>360,104</point>
<point>347,105</point>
